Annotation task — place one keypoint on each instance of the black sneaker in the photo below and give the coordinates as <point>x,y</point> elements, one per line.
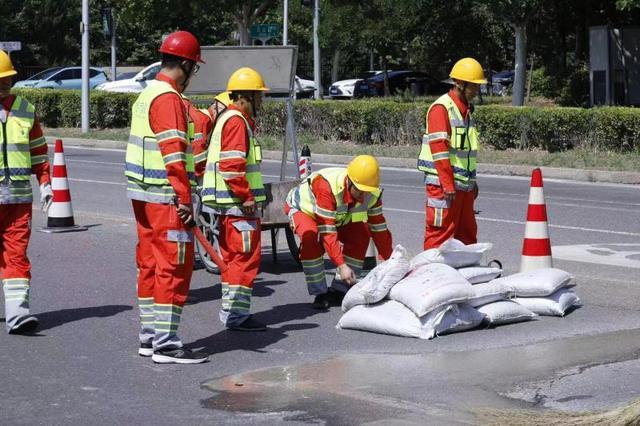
<point>249,325</point>
<point>25,325</point>
<point>178,356</point>
<point>321,301</point>
<point>146,349</point>
<point>335,297</point>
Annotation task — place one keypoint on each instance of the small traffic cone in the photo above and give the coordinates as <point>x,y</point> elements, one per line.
<point>304,165</point>
<point>60,214</point>
<point>370,261</point>
<point>536,249</point>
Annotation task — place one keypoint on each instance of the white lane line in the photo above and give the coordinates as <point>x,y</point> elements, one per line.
<point>553,197</point>
<point>90,148</point>
<point>105,182</point>
<point>518,222</point>
<point>107,163</point>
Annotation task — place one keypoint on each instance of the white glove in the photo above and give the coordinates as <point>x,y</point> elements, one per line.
<point>46,197</point>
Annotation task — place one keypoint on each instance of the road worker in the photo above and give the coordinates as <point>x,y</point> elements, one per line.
<point>24,152</point>
<point>220,103</point>
<point>337,210</point>
<point>448,159</point>
<point>233,191</point>
<point>159,167</point>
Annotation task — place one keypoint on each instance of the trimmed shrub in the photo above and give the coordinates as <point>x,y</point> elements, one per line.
<point>384,121</point>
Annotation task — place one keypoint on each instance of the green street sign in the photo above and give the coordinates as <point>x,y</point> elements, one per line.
<point>265,31</point>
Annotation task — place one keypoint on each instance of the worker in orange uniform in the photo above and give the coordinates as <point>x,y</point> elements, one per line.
<point>448,159</point>
<point>233,191</point>
<point>160,174</point>
<point>24,152</point>
<point>337,211</point>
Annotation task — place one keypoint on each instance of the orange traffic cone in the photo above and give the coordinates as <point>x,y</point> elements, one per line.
<point>536,250</point>
<point>60,214</point>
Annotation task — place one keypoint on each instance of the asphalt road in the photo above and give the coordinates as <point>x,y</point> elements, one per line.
<point>82,366</point>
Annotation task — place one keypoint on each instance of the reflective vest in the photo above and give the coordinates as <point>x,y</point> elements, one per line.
<point>215,191</point>
<point>144,165</point>
<point>15,155</point>
<point>463,147</point>
<point>303,199</point>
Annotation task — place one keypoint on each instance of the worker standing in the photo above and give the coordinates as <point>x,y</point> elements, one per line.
<point>160,172</point>
<point>448,159</point>
<point>337,211</point>
<point>24,152</point>
<point>233,191</point>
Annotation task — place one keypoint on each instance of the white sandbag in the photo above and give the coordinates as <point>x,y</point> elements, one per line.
<point>376,285</point>
<point>480,274</point>
<point>554,305</point>
<point>505,312</point>
<point>492,291</point>
<point>458,318</point>
<point>391,317</point>
<point>430,287</point>
<point>453,253</point>
<point>538,282</point>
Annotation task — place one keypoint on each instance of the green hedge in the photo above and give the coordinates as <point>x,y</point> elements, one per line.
<point>388,122</point>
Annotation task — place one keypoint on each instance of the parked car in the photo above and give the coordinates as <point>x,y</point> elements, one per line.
<point>343,89</point>
<point>304,87</point>
<point>63,78</point>
<point>133,84</point>
<point>418,82</point>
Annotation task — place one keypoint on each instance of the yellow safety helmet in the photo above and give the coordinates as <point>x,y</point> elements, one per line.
<point>246,79</point>
<point>468,69</point>
<point>224,98</point>
<point>6,67</point>
<point>364,172</point>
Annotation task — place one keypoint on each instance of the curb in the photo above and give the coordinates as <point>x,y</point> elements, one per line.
<point>580,175</point>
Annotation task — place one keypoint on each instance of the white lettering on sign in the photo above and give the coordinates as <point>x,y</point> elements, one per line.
<point>11,46</point>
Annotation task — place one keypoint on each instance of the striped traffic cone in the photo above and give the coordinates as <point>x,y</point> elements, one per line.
<point>536,249</point>
<point>60,214</point>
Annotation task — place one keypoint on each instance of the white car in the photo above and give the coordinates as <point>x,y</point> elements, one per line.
<point>132,85</point>
<point>304,88</point>
<point>343,89</point>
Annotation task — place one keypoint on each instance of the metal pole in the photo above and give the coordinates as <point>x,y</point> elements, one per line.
<point>85,67</point>
<point>285,26</point>
<point>113,49</point>
<point>316,49</point>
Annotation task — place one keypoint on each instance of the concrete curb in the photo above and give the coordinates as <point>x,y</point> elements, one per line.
<point>580,175</point>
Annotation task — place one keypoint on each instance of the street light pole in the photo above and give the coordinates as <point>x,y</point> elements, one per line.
<point>113,47</point>
<point>316,49</point>
<point>285,26</point>
<point>85,67</point>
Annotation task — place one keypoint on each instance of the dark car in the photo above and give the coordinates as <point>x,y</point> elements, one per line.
<point>417,82</point>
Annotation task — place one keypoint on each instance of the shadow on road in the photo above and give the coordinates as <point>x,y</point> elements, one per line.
<point>207,294</point>
<point>55,319</point>
<point>228,340</point>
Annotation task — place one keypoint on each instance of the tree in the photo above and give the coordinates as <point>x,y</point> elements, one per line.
<point>244,14</point>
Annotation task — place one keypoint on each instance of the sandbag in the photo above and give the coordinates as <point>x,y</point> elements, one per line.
<point>460,317</point>
<point>430,287</point>
<point>376,285</point>
<point>538,282</point>
<point>554,305</point>
<point>391,317</point>
<point>492,291</point>
<point>453,253</point>
<point>505,312</point>
<point>480,274</point>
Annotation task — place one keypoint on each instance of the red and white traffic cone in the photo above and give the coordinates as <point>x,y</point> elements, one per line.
<point>304,165</point>
<point>60,214</point>
<point>536,249</point>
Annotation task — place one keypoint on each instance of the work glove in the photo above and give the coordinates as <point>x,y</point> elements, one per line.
<point>46,197</point>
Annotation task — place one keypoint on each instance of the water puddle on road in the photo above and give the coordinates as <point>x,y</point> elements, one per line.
<point>430,388</point>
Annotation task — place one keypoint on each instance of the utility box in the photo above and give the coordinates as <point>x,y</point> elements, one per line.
<point>614,66</point>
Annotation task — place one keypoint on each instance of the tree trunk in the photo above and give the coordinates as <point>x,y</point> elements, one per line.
<point>521,65</point>
<point>335,64</point>
<point>387,92</point>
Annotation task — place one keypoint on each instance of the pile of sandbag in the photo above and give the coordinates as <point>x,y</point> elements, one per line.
<point>446,290</point>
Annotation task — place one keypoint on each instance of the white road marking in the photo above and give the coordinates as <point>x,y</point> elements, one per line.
<point>105,182</point>
<point>518,222</point>
<point>107,163</point>
<point>614,254</point>
<point>90,148</point>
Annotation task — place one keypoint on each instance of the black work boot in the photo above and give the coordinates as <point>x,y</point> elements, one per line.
<point>25,325</point>
<point>321,301</point>
<point>249,325</point>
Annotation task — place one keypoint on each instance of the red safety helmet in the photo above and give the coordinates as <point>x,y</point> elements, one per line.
<point>182,44</point>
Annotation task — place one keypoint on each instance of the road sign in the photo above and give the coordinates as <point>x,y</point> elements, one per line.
<point>265,31</point>
<point>11,46</point>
